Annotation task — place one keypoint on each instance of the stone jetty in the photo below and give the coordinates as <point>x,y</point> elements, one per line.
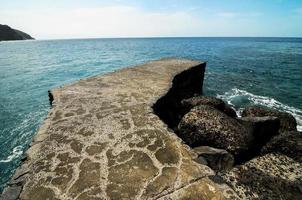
<point>111,137</point>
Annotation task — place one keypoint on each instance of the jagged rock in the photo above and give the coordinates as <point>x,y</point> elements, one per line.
<point>203,100</point>
<point>273,176</point>
<point>262,130</point>
<point>217,159</point>
<point>190,103</point>
<point>287,121</point>
<point>205,125</point>
<point>7,33</point>
<point>229,111</point>
<point>287,143</point>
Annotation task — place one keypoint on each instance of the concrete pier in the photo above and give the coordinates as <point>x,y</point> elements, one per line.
<point>103,140</point>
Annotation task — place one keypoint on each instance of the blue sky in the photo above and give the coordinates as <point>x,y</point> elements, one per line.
<point>49,19</point>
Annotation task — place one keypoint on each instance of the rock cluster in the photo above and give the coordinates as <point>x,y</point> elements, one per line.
<point>205,125</point>
<point>258,155</point>
<point>272,176</point>
<point>287,121</point>
<point>188,104</point>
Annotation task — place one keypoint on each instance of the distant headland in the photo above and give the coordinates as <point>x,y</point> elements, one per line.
<point>8,33</point>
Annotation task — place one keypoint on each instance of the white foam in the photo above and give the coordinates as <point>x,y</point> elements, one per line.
<point>231,96</point>
<point>17,151</point>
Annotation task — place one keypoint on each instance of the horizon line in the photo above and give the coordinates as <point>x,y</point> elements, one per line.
<point>164,37</point>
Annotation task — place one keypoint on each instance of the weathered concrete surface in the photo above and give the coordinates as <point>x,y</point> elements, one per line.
<point>102,140</point>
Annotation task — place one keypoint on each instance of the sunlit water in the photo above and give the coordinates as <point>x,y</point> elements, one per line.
<point>242,71</point>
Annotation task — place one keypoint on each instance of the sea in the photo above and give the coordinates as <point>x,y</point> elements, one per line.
<point>241,71</point>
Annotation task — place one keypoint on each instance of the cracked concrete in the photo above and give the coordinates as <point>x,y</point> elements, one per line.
<point>102,140</point>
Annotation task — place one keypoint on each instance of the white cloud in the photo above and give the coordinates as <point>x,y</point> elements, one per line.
<point>109,21</point>
<point>130,21</point>
<point>238,15</point>
<point>227,14</point>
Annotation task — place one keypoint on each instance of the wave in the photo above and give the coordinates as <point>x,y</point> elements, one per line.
<point>17,151</point>
<point>239,99</point>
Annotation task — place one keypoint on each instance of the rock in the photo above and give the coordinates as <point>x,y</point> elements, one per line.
<point>202,160</point>
<point>7,33</point>
<point>287,143</point>
<point>262,129</point>
<point>229,111</point>
<point>217,159</point>
<point>273,176</point>
<point>204,125</point>
<point>190,103</point>
<point>11,193</point>
<point>287,121</point>
<point>203,100</point>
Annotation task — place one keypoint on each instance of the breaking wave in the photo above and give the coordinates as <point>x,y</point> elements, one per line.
<point>17,151</point>
<point>241,98</point>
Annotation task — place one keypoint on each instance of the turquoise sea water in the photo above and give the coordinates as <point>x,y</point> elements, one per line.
<point>242,71</point>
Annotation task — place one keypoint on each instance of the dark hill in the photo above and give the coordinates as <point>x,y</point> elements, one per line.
<point>7,33</point>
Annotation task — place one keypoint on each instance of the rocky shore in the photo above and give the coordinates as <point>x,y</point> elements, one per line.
<point>258,155</point>
<point>147,132</point>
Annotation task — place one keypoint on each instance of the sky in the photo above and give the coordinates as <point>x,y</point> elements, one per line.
<point>61,19</point>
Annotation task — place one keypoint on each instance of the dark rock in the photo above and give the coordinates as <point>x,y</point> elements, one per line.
<point>204,125</point>
<point>24,158</point>
<point>287,143</point>
<point>262,129</point>
<point>190,103</point>
<point>229,111</point>
<point>185,85</point>
<point>287,121</point>
<point>217,159</point>
<point>273,176</point>
<point>202,160</point>
<point>203,100</point>
<point>7,33</point>
<point>217,179</point>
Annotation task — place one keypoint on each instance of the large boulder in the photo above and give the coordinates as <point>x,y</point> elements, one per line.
<point>287,121</point>
<point>217,159</point>
<point>219,104</point>
<point>262,129</point>
<point>273,176</point>
<point>205,125</point>
<point>287,143</point>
